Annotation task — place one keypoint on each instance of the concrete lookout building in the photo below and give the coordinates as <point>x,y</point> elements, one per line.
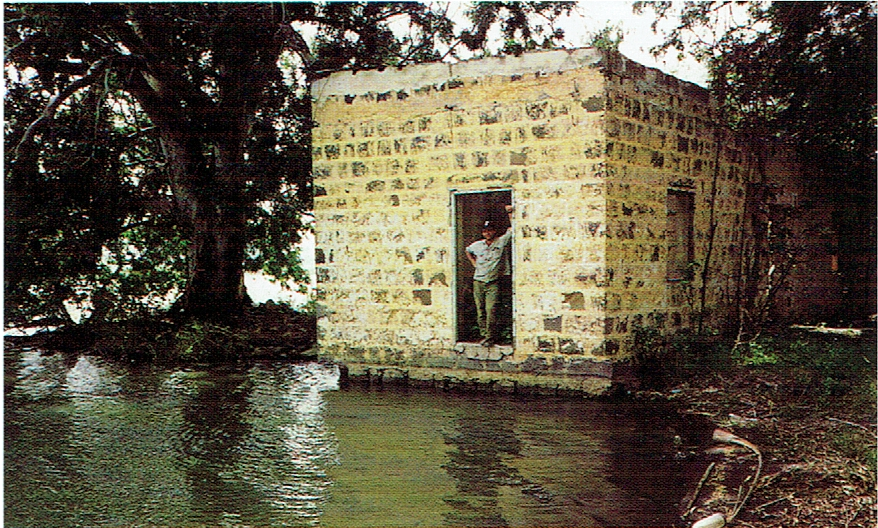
<point>621,180</point>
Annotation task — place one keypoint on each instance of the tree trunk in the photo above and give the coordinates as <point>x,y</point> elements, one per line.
<point>210,196</point>
<point>215,290</point>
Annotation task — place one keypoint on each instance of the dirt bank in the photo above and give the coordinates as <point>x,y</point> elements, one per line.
<point>268,331</point>
<point>818,453</point>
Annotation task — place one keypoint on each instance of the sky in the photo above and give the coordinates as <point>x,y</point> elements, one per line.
<point>591,16</point>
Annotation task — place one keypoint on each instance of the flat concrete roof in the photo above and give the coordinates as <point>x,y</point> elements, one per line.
<point>436,73</point>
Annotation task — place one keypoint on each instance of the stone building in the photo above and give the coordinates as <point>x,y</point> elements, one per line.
<point>623,188</point>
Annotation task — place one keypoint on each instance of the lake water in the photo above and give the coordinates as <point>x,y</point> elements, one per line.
<point>91,443</point>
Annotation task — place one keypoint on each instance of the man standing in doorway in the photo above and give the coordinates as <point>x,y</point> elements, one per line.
<point>490,258</point>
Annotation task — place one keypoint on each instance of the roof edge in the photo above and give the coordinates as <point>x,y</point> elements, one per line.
<point>436,73</point>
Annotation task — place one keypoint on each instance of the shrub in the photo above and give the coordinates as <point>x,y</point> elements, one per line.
<point>199,341</point>
<point>756,354</point>
<point>659,359</point>
<point>827,365</point>
<point>649,352</point>
<point>696,353</point>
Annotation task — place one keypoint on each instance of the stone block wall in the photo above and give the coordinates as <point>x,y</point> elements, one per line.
<point>390,150</point>
<point>590,148</point>
<point>802,227</point>
<point>661,137</point>
<point>383,256</point>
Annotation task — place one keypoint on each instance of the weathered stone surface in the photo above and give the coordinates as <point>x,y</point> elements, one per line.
<point>440,76</point>
<point>589,154</point>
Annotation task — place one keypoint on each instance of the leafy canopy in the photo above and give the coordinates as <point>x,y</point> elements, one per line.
<point>803,71</point>
<point>155,151</point>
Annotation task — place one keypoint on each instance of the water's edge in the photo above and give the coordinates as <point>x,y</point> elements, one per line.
<point>89,442</point>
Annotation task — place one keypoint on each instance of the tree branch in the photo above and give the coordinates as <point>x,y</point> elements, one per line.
<point>48,113</point>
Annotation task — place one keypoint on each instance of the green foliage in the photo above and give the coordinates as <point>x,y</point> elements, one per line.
<point>856,444</point>
<point>609,38</point>
<point>274,233</point>
<point>63,206</point>
<point>757,354</point>
<point>268,330</point>
<point>311,308</point>
<point>158,150</point>
<point>803,71</point>
<point>520,23</point>
<point>198,342</point>
<point>647,341</point>
<point>104,195</point>
<point>698,354</point>
<point>825,367</point>
<point>131,340</point>
<point>137,275</point>
<point>822,365</point>
<point>815,70</point>
<point>650,355</point>
<point>659,359</point>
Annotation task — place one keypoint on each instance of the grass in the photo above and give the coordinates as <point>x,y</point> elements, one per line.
<point>856,444</point>
<point>822,365</point>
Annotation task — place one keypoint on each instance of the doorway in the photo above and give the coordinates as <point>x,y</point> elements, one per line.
<point>471,210</point>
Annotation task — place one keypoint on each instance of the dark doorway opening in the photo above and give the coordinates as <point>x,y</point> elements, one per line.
<point>471,209</point>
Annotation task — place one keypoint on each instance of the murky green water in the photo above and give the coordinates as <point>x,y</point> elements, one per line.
<point>89,443</point>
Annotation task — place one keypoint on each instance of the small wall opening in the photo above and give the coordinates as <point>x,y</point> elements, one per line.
<point>471,210</point>
<point>681,246</point>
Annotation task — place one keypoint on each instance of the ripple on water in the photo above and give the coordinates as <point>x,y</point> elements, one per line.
<point>278,444</point>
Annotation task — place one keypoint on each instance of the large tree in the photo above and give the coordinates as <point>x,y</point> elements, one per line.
<point>805,73</point>
<point>154,148</point>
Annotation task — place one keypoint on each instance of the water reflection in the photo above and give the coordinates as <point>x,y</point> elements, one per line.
<point>38,375</point>
<point>643,462</point>
<point>32,471</point>
<point>555,462</point>
<point>87,378</point>
<point>484,438</point>
<point>211,430</point>
<point>391,450</point>
<point>286,456</point>
<point>88,443</point>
